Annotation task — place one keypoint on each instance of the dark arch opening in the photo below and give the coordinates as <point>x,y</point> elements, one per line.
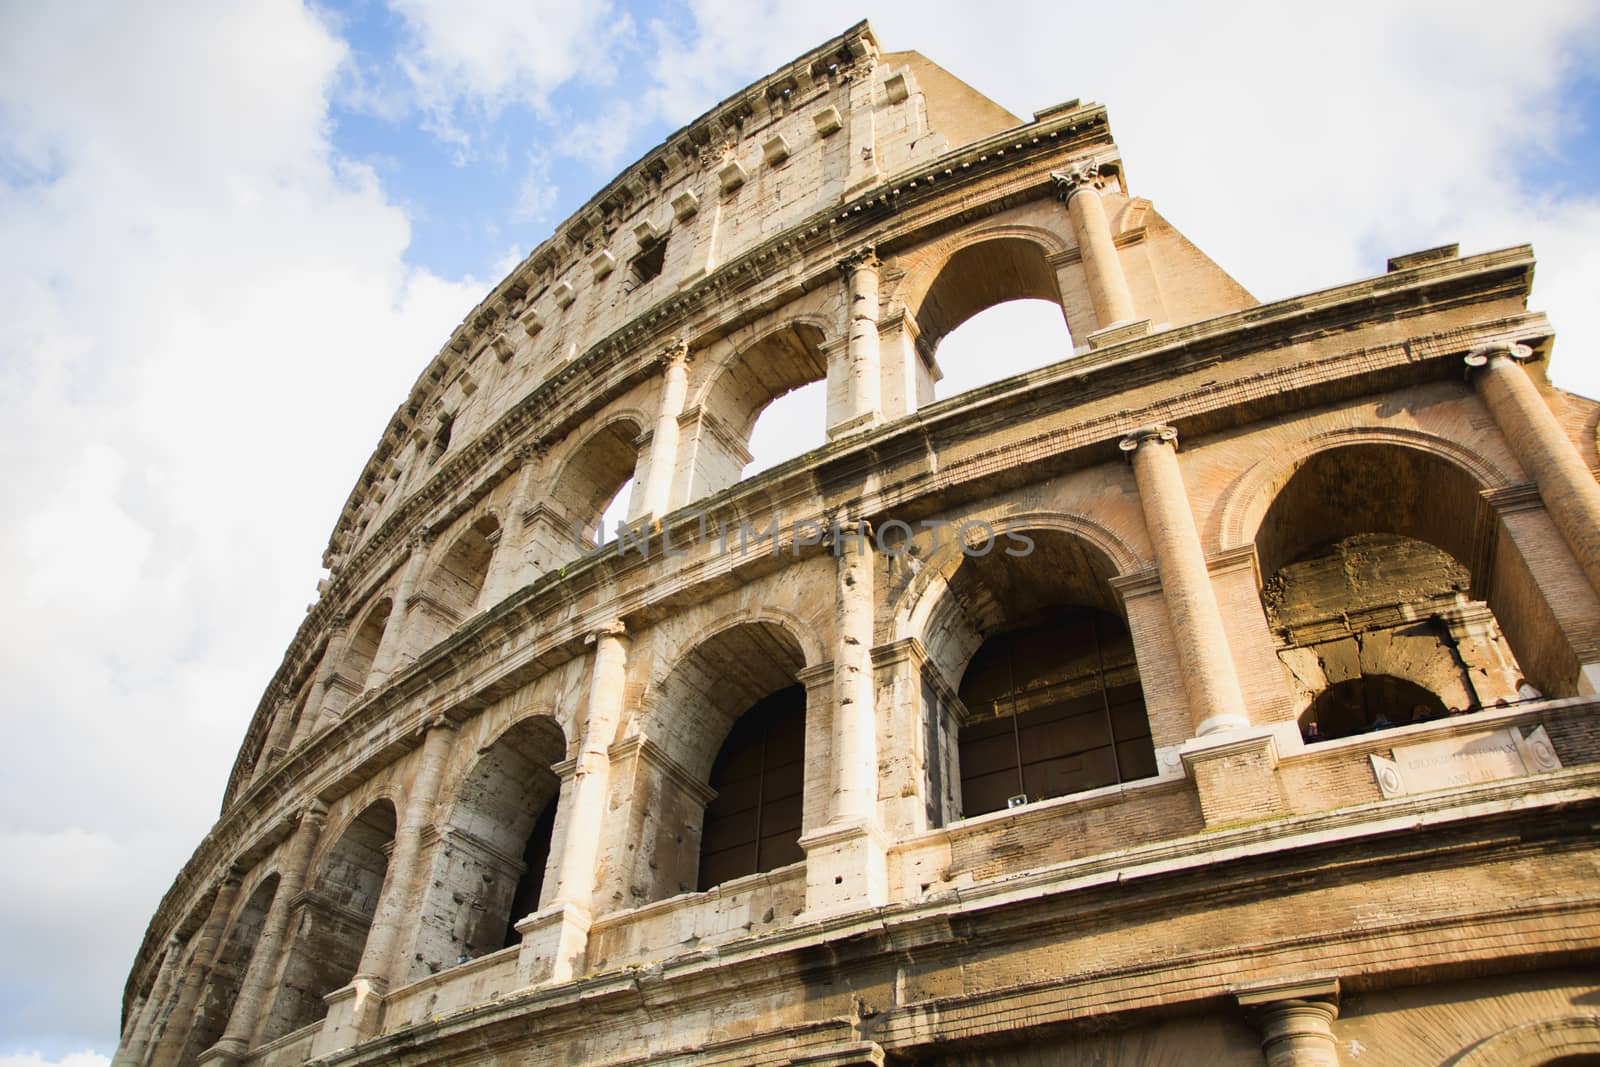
<point>233,959</point>
<point>1053,708</point>
<point>489,872</point>
<point>753,823</point>
<point>330,931</point>
<point>1376,565</point>
<point>1367,703</point>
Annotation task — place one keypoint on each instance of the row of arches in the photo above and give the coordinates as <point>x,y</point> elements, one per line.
<point>1382,602</point>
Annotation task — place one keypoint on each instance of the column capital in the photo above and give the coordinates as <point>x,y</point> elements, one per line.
<point>1147,434</point>
<point>864,257</point>
<point>676,353</point>
<point>420,540</point>
<point>438,722</point>
<point>315,813</point>
<point>1483,354</point>
<point>232,877</point>
<point>841,531</point>
<point>611,628</point>
<point>1078,176</point>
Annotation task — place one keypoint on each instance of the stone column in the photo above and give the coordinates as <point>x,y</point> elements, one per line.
<point>332,652</point>
<point>657,496</point>
<point>554,937</point>
<point>506,566</point>
<point>845,867</point>
<point>254,991</point>
<point>359,1012</point>
<point>862,405</point>
<point>149,1011</point>
<point>391,645</point>
<point>1568,489</point>
<point>1295,1021</point>
<point>1079,188</point>
<point>170,1040</point>
<point>275,742</point>
<point>1215,700</point>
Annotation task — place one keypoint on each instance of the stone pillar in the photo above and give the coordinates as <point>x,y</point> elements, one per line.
<point>1295,1021</point>
<point>845,866</point>
<point>254,993</point>
<point>506,565</point>
<point>657,496</point>
<point>1568,489</point>
<point>275,743</point>
<point>554,937</point>
<point>171,1039</point>
<point>1215,700</point>
<point>332,652</point>
<point>391,645</point>
<point>1079,189</point>
<point>149,1011</point>
<point>355,1012</point>
<point>862,406</point>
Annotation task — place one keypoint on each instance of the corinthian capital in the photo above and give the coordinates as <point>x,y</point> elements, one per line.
<point>676,351</point>
<point>1080,175</point>
<point>864,257</point>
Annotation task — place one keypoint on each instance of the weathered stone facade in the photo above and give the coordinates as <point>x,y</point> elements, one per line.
<point>1283,619</point>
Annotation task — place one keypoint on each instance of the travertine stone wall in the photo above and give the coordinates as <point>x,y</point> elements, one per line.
<point>1271,498</point>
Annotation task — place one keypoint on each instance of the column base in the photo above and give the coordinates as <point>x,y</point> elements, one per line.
<point>225,1053</point>
<point>1118,332</point>
<point>554,943</point>
<point>355,1014</point>
<point>856,424</point>
<point>1236,775</point>
<point>846,870</point>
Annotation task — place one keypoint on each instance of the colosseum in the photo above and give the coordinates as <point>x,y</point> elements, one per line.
<point>1224,693</point>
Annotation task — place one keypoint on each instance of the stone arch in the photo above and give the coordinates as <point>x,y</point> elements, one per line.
<point>360,651</point>
<point>1247,499</point>
<point>330,926</point>
<point>234,952</point>
<point>1376,558</point>
<point>593,470</point>
<point>981,269</point>
<point>910,615</point>
<point>490,865</point>
<point>1567,1039</point>
<point>1031,685</point>
<point>450,590</point>
<point>737,389</point>
<point>703,690</point>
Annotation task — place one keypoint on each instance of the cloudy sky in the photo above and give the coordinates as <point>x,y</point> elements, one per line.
<point>232,234</point>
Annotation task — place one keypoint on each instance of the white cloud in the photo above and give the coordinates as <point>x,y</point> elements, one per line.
<point>467,62</point>
<point>211,321</point>
<point>72,1059</point>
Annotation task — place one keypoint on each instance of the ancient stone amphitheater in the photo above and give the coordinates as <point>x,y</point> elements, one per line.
<point>1223,691</point>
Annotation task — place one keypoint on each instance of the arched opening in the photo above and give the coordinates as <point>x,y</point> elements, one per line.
<point>232,960</point>
<point>334,918</point>
<point>993,310</point>
<point>1367,554</point>
<point>355,666</point>
<point>753,823</point>
<point>451,590</point>
<point>729,711</point>
<point>490,869</point>
<point>1366,703</point>
<point>766,405</point>
<point>1052,708</point>
<point>590,484</point>
<point>1032,688</point>
<point>1002,341</point>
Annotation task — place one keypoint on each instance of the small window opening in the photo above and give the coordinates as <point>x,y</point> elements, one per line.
<point>648,264</point>
<point>441,438</point>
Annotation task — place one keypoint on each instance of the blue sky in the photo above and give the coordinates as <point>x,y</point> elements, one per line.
<point>233,234</point>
